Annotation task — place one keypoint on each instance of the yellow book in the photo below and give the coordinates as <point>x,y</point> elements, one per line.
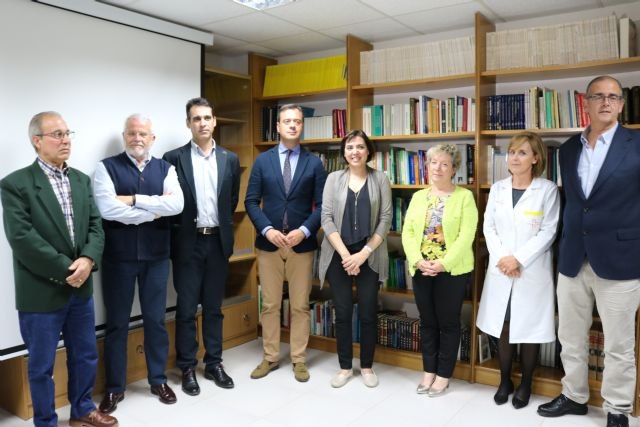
<point>306,76</point>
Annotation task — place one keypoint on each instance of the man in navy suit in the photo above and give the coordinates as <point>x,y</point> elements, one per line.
<point>598,259</point>
<point>288,180</point>
<point>202,242</point>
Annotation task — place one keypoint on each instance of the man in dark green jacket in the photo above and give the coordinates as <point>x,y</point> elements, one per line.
<point>55,233</point>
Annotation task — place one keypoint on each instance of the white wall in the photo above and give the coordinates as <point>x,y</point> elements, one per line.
<point>95,73</point>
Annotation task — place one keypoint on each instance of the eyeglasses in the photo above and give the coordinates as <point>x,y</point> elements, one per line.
<point>59,135</point>
<point>599,97</point>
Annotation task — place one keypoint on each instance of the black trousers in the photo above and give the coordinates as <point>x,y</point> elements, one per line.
<point>439,300</point>
<point>200,279</point>
<point>367,297</point>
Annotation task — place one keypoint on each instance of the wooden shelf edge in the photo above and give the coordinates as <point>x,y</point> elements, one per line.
<point>222,121</point>
<point>564,68</point>
<point>242,257</point>
<point>423,136</point>
<point>462,78</point>
<point>318,93</point>
<point>543,132</point>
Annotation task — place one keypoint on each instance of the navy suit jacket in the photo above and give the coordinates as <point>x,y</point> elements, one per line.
<point>303,203</point>
<point>183,226</point>
<point>605,227</point>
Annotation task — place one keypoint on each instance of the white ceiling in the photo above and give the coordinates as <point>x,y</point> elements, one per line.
<point>313,25</point>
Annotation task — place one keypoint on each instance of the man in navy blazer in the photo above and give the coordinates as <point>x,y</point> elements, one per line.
<point>202,242</point>
<point>598,259</point>
<point>289,181</point>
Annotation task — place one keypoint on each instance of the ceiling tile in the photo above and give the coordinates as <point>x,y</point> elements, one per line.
<point>320,14</point>
<point>445,18</point>
<point>191,12</point>
<point>254,27</point>
<point>401,7</point>
<point>372,31</point>
<point>521,9</point>
<point>312,42</point>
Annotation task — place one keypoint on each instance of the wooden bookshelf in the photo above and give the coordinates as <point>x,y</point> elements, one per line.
<point>483,83</point>
<point>231,95</point>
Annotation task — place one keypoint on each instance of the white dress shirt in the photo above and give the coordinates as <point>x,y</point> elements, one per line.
<point>205,178</point>
<point>591,159</point>
<point>147,208</point>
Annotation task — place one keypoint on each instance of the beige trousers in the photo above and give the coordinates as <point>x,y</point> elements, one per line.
<point>274,268</point>
<point>617,302</point>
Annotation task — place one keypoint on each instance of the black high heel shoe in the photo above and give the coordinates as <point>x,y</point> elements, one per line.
<point>504,390</point>
<point>519,401</point>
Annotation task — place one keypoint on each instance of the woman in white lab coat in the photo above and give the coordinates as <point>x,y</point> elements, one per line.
<point>517,303</point>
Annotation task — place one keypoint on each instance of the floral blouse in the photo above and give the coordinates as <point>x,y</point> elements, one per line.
<point>433,244</point>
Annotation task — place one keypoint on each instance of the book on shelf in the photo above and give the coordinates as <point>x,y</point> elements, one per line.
<point>560,44</point>
<point>306,76</point>
<point>484,349</point>
<point>325,127</point>
<point>627,37</point>
<point>407,167</point>
<point>537,108</point>
<point>421,61</point>
<point>331,159</point>
<point>421,115</point>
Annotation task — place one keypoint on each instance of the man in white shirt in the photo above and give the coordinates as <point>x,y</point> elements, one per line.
<point>135,194</point>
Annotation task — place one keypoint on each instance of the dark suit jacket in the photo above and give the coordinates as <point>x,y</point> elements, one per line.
<point>39,238</point>
<point>183,226</point>
<point>605,227</point>
<point>303,203</point>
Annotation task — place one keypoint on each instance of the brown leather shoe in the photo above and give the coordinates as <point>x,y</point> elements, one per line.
<point>110,402</point>
<point>94,419</point>
<point>164,392</point>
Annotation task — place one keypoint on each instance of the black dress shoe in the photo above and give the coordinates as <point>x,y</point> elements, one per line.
<point>504,390</point>
<point>617,420</point>
<point>164,392</point>
<point>110,402</point>
<point>189,382</point>
<point>219,376</point>
<point>560,406</point>
<point>521,397</point>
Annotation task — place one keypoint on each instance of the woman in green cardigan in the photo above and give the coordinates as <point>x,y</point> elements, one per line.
<point>437,237</point>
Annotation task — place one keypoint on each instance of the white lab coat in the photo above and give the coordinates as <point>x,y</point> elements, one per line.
<point>527,232</point>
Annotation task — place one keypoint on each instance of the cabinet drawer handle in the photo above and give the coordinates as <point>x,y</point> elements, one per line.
<point>140,349</point>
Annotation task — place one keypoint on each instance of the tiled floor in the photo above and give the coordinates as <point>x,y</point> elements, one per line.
<point>279,400</point>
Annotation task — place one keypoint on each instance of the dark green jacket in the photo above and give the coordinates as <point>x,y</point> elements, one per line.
<point>38,235</point>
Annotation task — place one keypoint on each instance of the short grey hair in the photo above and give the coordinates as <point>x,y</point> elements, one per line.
<point>139,117</point>
<point>450,149</point>
<point>35,125</point>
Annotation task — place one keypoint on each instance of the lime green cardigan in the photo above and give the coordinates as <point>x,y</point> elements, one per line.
<point>459,223</point>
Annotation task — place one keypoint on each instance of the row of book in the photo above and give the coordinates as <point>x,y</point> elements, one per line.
<point>498,168</point>
<point>421,61</point>
<point>568,43</point>
<point>631,110</point>
<point>538,108</point>
<point>422,115</point>
<point>326,127</point>
<point>407,167</point>
<point>596,354</point>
